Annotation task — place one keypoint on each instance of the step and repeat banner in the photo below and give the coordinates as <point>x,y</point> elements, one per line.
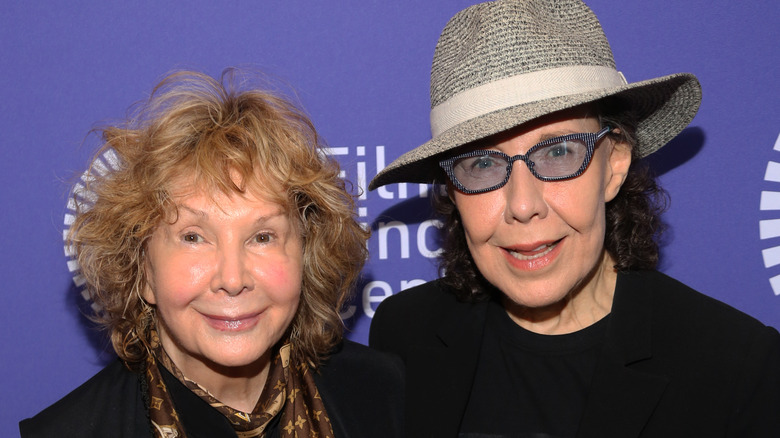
<point>361,70</point>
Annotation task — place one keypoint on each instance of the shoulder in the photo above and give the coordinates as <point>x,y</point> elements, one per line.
<point>411,312</point>
<point>418,299</point>
<point>106,403</point>
<point>363,391</point>
<point>353,362</point>
<point>713,354</point>
<point>673,301</point>
<point>690,326</point>
<point>421,317</point>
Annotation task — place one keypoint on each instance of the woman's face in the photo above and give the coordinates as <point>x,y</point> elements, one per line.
<point>537,241</point>
<point>225,279</point>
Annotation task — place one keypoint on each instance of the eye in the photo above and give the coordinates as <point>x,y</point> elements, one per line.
<point>263,238</point>
<point>558,150</point>
<point>191,238</point>
<point>483,162</point>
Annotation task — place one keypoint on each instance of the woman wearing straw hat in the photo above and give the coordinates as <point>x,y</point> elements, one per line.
<point>550,320</point>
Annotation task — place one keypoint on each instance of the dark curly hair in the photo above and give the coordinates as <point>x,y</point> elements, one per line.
<point>633,217</point>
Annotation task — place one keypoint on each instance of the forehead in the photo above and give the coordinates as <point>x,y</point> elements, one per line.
<point>187,188</point>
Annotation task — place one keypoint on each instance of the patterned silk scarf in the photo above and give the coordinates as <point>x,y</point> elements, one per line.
<point>289,390</point>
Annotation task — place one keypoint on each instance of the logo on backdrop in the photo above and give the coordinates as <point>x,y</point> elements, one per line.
<point>770,228</point>
<point>392,242</point>
<point>81,199</point>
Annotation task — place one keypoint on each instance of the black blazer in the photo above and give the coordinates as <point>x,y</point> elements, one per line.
<point>362,390</point>
<point>675,363</point>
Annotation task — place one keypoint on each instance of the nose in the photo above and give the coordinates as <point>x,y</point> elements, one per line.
<point>523,195</point>
<point>233,274</point>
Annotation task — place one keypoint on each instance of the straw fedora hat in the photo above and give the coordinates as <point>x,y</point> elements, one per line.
<point>500,64</point>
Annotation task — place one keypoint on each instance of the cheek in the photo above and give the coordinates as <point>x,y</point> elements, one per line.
<point>281,280</point>
<point>177,281</point>
<point>581,207</point>
<point>480,214</point>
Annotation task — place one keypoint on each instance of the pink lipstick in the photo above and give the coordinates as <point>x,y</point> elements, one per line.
<point>533,256</point>
<point>233,324</point>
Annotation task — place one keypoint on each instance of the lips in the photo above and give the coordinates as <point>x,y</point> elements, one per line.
<point>231,323</point>
<point>539,251</point>
<point>533,256</point>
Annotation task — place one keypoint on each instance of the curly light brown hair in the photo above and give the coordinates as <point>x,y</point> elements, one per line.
<point>212,130</point>
<point>633,217</point>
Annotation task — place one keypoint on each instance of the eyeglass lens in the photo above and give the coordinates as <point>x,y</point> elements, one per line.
<point>557,160</point>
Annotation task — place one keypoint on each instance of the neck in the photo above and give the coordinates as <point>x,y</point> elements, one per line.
<point>237,387</point>
<point>583,306</point>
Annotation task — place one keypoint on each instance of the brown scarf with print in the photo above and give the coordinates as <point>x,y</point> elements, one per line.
<point>289,390</point>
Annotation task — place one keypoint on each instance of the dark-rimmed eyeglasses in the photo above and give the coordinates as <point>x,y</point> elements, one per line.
<point>554,159</point>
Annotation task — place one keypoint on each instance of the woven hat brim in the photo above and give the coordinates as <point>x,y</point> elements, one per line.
<point>664,107</point>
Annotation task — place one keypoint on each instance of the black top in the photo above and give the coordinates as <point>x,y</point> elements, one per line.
<point>362,390</point>
<point>529,385</point>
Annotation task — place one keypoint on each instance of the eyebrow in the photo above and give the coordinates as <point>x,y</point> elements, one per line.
<point>557,134</point>
<point>192,211</point>
<point>487,144</point>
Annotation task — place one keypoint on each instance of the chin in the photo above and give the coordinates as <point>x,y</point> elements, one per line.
<point>536,302</point>
<point>238,362</point>
<point>236,358</point>
<point>536,296</point>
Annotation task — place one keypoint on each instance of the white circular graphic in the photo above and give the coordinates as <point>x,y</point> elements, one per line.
<point>81,198</point>
<point>770,228</point>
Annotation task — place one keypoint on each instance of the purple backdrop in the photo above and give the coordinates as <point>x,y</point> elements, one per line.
<point>361,69</point>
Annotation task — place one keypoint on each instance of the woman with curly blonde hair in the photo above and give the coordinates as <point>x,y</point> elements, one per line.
<point>219,248</point>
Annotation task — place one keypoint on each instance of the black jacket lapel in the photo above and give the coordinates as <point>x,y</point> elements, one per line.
<point>445,369</point>
<point>622,397</point>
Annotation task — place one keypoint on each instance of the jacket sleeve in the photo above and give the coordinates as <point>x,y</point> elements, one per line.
<point>757,399</point>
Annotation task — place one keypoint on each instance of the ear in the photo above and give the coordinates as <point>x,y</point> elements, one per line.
<point>450,191</point>
<point>147,293</point>
<point>619,162</point>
